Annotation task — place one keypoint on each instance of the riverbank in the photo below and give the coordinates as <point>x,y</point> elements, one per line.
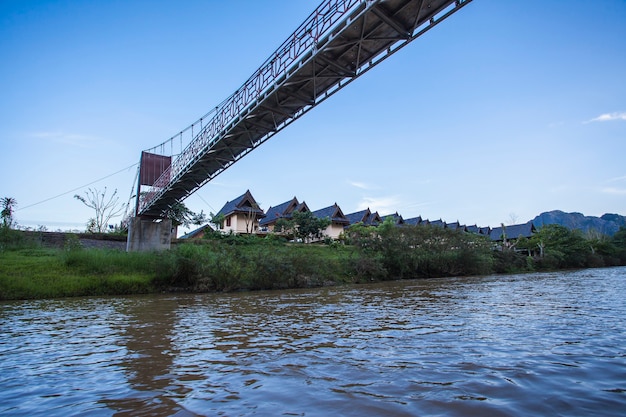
<point>45,272</point>
<point>30,269</point>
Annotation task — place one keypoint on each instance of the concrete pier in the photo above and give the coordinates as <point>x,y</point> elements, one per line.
<point>149,235</point>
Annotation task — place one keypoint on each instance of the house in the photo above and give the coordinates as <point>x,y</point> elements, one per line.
<point>198,233</point>
<point>281,211</point>
<point>414,221</point>
<point>338,221</point>
<point>455,226</point>
<point>478,230</point>
<point>512,232</point>
<point>241,215</point>
<point>397,219</point>
<point>365,217</point>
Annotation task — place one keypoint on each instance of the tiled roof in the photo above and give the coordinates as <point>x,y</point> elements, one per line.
<point>283,210</point>
<point>396,218</point>
<point>196,232</point>
<point>333,212</point>
<point>413,221</point>
<point>242,204</point>
<point>513,231</point>
<point>359,216</point>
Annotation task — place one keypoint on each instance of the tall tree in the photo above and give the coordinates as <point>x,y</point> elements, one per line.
<point>105,208</point>
<point>8,206</point>
<point>181,215</point>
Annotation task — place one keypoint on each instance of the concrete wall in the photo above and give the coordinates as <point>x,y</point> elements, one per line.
<point>147,235</point>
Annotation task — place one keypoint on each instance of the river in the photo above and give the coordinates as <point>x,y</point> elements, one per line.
<point>533,344</point>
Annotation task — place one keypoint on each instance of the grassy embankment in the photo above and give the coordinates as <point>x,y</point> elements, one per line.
<point>29,271</point>
<point>232,263</point>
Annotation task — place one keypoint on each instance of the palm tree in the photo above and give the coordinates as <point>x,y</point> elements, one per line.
<point>8,205</point>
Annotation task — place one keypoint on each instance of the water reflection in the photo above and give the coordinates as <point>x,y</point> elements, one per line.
<point>530,344</point>
<point>148,364</point>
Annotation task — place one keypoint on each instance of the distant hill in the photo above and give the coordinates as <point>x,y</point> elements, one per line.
<point>607,224</point>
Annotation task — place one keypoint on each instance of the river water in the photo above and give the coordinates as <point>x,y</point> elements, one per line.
<point>533,344</point>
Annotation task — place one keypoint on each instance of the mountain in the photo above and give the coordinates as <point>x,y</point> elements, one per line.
<point>607,224</point>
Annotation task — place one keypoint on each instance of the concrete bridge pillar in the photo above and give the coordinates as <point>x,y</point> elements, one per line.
<point>148,235</point>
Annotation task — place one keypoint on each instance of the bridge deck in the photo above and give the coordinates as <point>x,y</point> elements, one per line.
<point>339,42</point>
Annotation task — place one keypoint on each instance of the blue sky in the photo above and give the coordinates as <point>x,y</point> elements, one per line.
<point>506,110</point>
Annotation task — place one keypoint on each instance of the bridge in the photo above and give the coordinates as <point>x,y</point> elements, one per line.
<point>340,41</point>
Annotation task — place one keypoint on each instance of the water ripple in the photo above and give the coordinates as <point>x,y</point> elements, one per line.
<point>535,344</point>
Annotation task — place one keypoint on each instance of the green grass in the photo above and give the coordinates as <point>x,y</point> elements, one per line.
<point>46,273</point>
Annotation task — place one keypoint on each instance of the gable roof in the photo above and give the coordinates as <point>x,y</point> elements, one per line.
<point>195,233</point>
<point>396,218</point>
<point>359,216</point>
<point>333,212</point>
<point>513,231</point>
<point>283,210</point>
<point>414,221</point>
<point>242,204</point>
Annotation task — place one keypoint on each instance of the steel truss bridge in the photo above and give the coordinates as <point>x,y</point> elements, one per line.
<point>340,41</point>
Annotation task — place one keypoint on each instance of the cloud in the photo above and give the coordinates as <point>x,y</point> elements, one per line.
<point>383,205</point>
<point>361,185</point>
<point>614,191</point>
<point>72,139</point>
<point>607,117</point>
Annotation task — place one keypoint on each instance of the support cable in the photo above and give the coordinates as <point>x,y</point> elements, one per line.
<point>77,188</point>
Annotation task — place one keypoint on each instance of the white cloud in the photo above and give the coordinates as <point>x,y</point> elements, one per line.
<point>607,117</point>
<point>357,184</point>
<point>614,191</point>
<point>383,205</point>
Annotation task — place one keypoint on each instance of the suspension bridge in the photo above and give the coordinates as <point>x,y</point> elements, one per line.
<point>340,41</point>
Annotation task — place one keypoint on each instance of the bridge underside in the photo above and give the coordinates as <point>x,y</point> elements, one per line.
<point>367,35</point>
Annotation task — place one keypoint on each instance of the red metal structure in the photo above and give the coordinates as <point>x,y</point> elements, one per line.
<point>337,43</point>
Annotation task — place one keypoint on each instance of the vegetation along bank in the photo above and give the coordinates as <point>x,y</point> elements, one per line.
<point>29,269</point>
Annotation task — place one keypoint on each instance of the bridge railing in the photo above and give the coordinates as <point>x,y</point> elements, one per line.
<point>304,39</point>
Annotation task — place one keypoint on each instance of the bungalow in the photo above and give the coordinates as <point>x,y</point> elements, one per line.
<point>281,211</point>
<point>198,233</point>
<point>365,217</point>
<point>338,221</point>
<point>512,232</point>
<point>397,219</point>
<point>505,237</point>
<point>414,221</point>
<point>478,230</point>
<point>241,215</point>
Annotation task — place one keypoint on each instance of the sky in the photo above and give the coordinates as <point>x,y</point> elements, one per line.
<point>506,110</point>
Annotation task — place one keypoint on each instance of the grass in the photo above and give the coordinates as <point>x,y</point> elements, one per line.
<point>35,272</point>
<point>46,273</point>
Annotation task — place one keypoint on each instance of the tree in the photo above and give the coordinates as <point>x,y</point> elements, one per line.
<point>8,206</point>
<point>180,215</point>
<point>105,208</point>
<point>560,247</point>
<point>250,216</point>
<point>307,226</point>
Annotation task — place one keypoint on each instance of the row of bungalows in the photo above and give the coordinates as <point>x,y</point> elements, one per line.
<point>243,215</point>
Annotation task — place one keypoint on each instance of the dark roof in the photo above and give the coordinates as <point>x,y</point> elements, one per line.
<point>454,226</point>
<point>436,223</point>
<point>194,233</point>
<point>242,204</point>
<point>359,216</point>
<point>282,210</point>
<point>374,219</point>
<point>512,231</point>
<point>414,221</point>
<point>396,218</point>
<point>333,212</point>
